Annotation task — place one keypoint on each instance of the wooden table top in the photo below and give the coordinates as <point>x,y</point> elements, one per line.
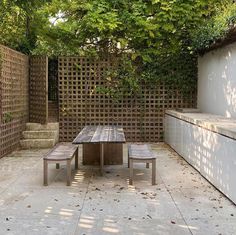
<point>100,134</point>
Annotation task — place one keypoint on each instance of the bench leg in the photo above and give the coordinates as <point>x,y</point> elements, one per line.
<point>131,171</point>
<point>128,158</point>
<point>77,158</point>
<point>68,169</point>
<point>101,157</point>
<point>45,173</point>
<point>147,165</point>
<point>153,171</point>
<point>57,165</point>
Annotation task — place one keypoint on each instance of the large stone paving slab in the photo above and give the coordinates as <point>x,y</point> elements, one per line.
<point>182,202</point>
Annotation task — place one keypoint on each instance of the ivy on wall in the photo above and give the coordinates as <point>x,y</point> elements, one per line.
<point>178,71</point>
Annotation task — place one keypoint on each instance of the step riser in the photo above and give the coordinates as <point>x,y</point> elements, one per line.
<point>39,135</point>
<point>40,127</point>
<point>37,144</point>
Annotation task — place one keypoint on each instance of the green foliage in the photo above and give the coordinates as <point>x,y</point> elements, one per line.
<point>155,39</point>
<point>121,80</point>
<point>176,71</point>
<point>7,117</point>
<point>142,27</point>
<point>18,23</point>
<point>216,28</point>
<point>155,34</point>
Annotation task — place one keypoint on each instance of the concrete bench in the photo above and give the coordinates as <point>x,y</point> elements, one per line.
<point>141,153</point>
<point>62,152</point>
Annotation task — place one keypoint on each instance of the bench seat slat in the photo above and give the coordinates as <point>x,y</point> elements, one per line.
<point>141,151</point>
<point>61,152</point>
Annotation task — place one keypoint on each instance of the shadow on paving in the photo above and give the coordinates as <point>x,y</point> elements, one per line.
<point>182,202</point>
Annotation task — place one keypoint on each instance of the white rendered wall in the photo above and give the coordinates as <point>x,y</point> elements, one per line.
<point>217,82</point>
<point>212,154</point>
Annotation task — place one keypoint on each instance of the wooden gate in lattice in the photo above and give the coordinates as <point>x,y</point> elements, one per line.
<point>38,89</point>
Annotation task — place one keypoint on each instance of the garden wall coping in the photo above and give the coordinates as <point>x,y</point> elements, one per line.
<point>216,123</point>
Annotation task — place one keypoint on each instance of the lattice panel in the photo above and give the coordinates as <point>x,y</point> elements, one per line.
<point>14,103</point>
<point>39,89</point>
<point>53,80</point>
<point>81,105</point>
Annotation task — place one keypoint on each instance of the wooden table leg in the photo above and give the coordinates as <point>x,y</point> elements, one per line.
<point>101,157</point>
<point>68,169</point>
<point>131,171</point>
<point>153,171</point>
<point>45,172</point>
<point>77,158</point>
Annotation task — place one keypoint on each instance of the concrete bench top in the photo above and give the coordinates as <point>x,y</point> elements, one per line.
<point>219,124</point>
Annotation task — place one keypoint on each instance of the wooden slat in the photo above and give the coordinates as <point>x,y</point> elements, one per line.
<point>61,152</point>
<point>113,153</point>
<point>113,134</point>
<point>120,135</point>
<point>85,135</point>
<point>97,135</point>
<point>105,133</point>
<point>100,134</point>
<point>141,151</point>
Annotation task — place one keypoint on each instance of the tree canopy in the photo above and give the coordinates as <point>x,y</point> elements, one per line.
<point>143,27</point>
<point>160,37</point>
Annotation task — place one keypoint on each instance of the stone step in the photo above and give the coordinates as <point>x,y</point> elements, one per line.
<point>53,118</point>
<point>38,126</point>
<point>40,134</point>
<point>52,105</point>
<point>52,110</point>
<point>37,143</point>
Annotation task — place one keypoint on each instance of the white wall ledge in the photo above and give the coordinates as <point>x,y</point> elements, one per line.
<point>216,123</point>
<point>198,138</point>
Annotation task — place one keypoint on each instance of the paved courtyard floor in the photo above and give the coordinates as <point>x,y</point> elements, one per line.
<point>182,202</point>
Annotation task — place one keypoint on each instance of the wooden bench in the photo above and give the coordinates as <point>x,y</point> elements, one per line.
<point>62,152</point>
<point>141,153</point>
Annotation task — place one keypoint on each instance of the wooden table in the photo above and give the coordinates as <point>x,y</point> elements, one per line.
<point>100,135</point>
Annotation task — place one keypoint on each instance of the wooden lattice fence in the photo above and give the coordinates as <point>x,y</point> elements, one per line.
<point>38,89</point>
<point>53,80</point>
<point>14,98</point>
<point>80,104</point>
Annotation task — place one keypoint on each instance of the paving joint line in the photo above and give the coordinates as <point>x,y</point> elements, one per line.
<point>168,190</point>
<point>85,195</point>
